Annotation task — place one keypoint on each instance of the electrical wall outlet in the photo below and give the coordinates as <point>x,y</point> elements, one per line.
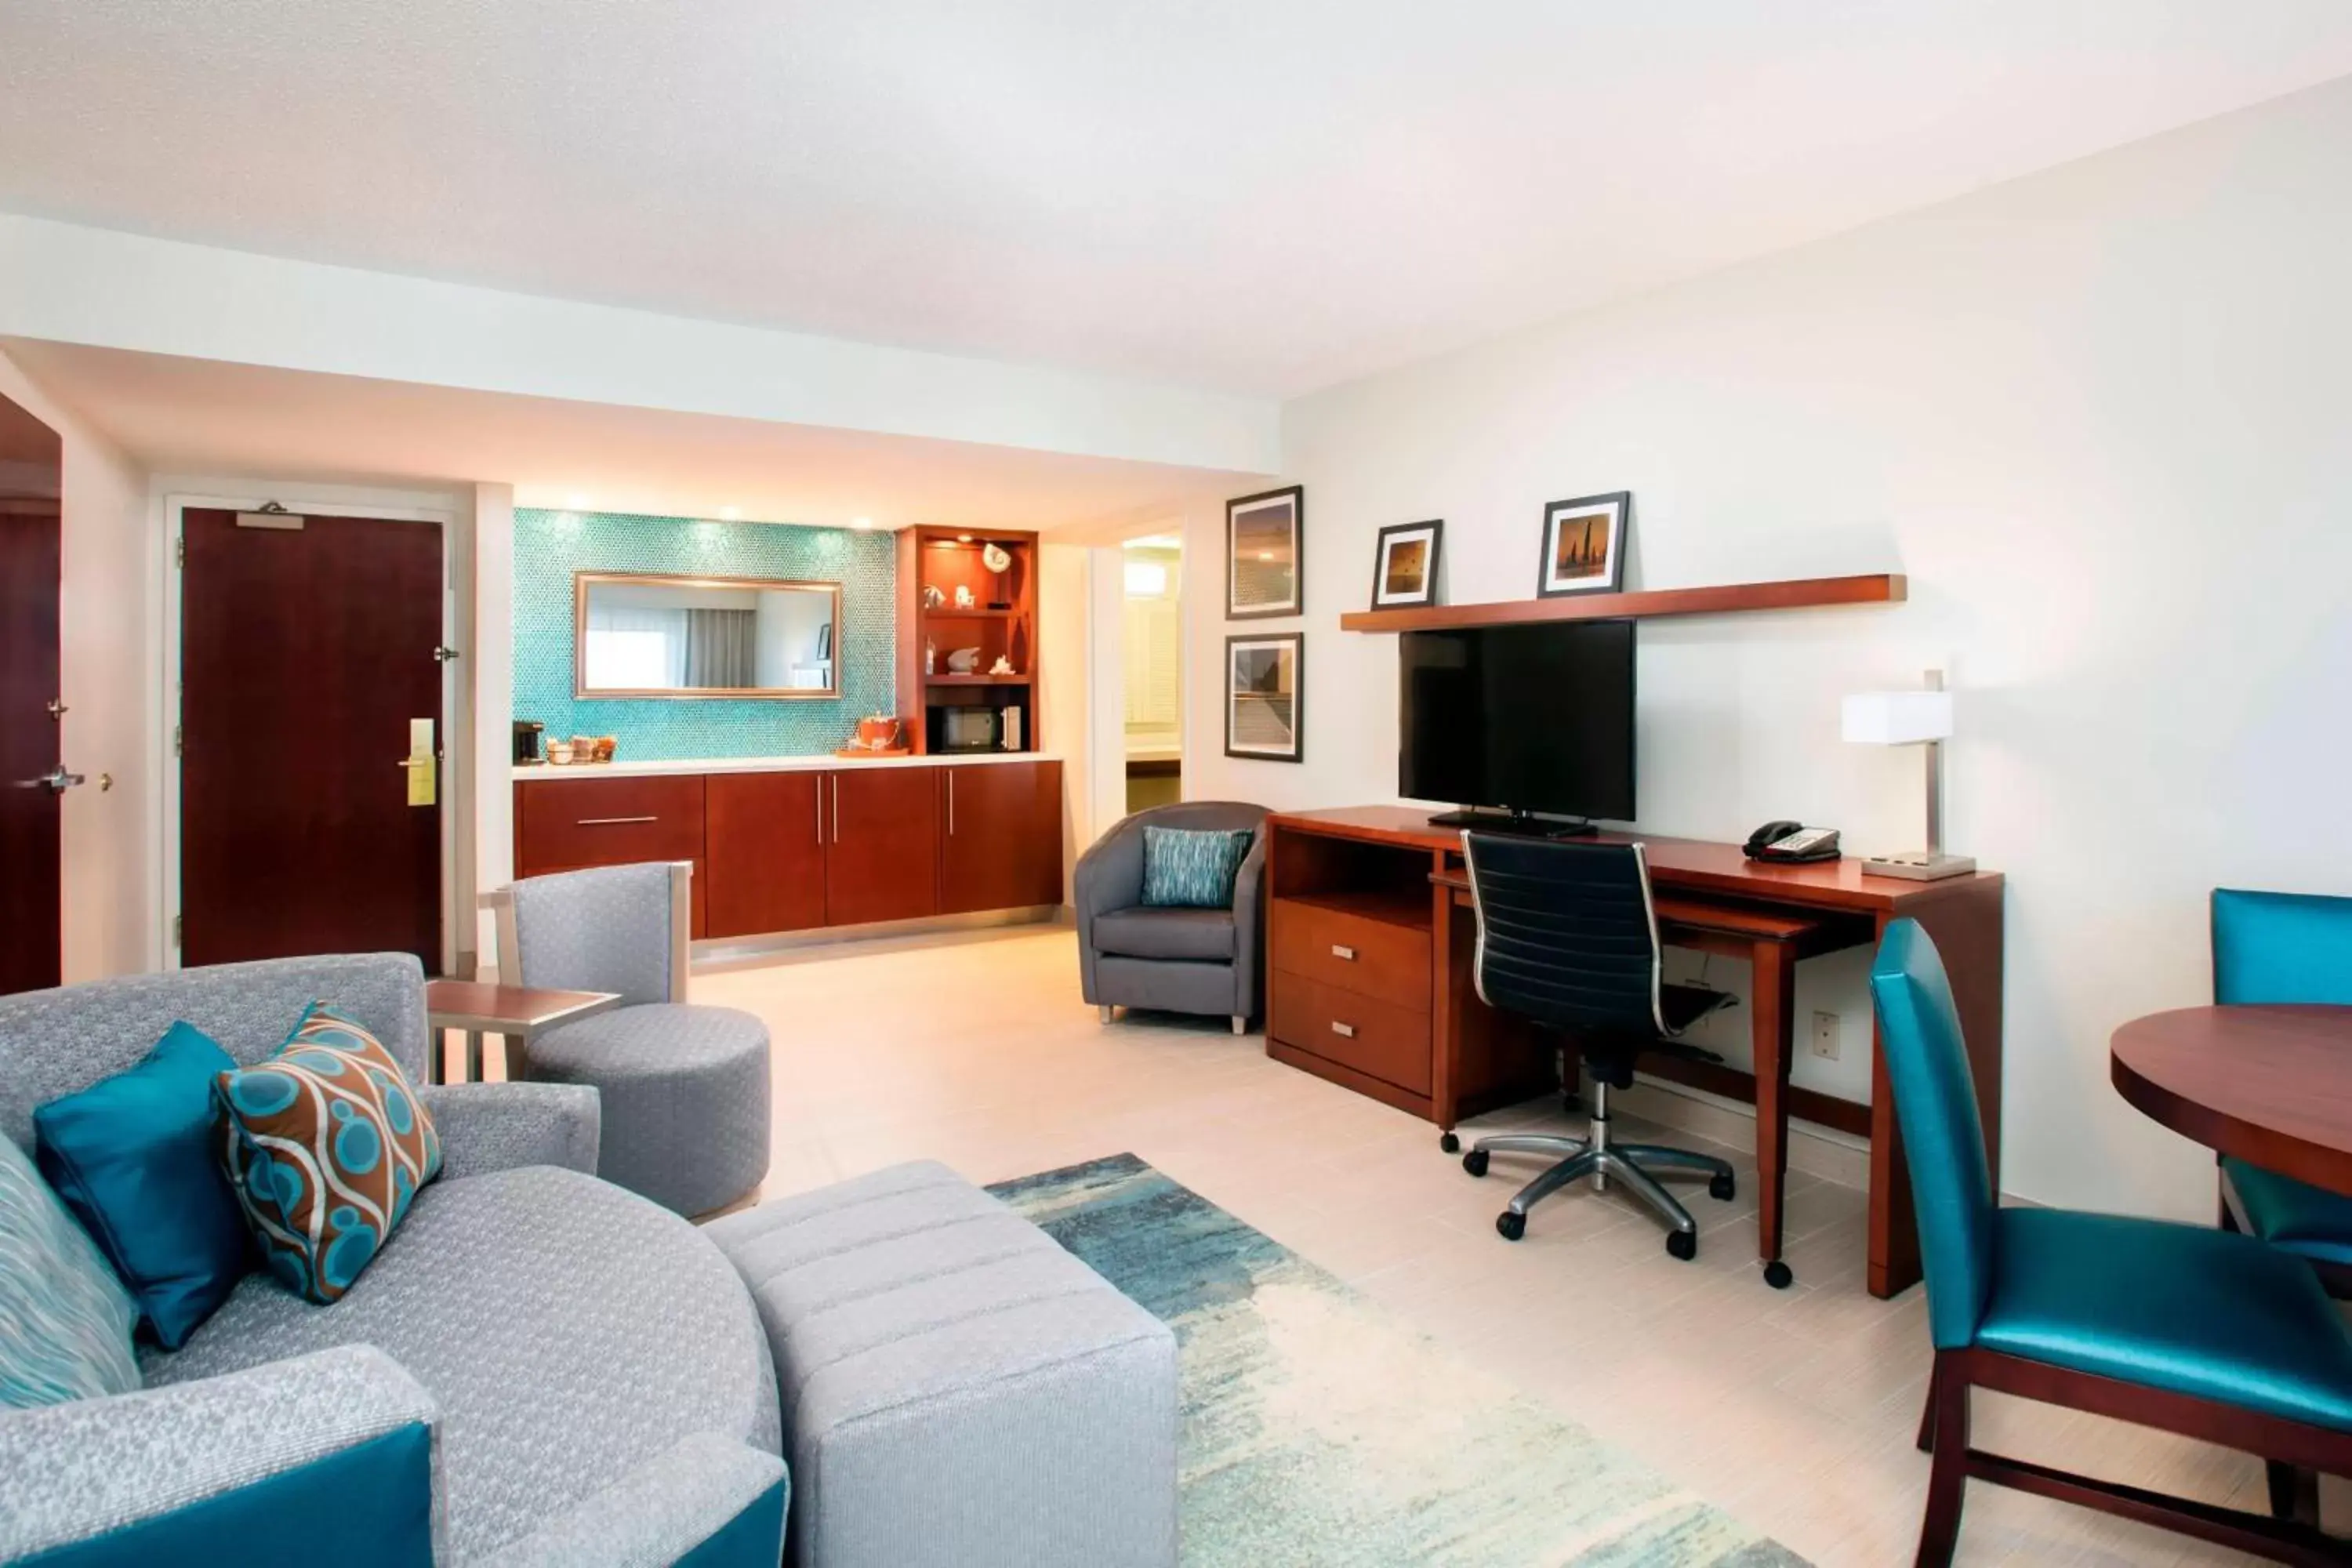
<point>1825,1036</point>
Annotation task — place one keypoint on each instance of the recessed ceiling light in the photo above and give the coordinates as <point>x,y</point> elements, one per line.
<point>731,513</point>
<point>861,522</point>
<point>576,502</point>
<point>964,539</point>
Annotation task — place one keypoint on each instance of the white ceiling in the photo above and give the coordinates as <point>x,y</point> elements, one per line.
<point>203,416</point>
<point>1258,196</point>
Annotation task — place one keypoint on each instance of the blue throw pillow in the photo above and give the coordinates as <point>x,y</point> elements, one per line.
<point>65,1320</point>
<point>1192,868</point>
<point>132,1156</point>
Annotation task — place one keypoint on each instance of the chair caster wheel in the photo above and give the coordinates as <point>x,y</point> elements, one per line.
<point>1683,1244</point>
<point>1776,1275</point>
<point>1510,1226</point>
<point>1449,1144</point>
<point>1474,1162</point>
<point>1724,1187</point>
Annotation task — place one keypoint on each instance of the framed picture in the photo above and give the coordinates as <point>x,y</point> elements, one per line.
<point>1584,545</point>
<point>1404,565</point>
<point>1263,553</point>
<point>1262,678</point>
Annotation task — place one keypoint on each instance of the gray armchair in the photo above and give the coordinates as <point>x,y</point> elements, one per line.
<point>684,1087</point>
<point>1187,961</point>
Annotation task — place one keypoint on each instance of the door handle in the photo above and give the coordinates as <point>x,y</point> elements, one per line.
<point>836,809</point>
<point>1345,1031</point>
<point>611,821</point>
<point>57,781</point>
<point>819,793</point>
<point>1345,953</point>
<point>951,773</point>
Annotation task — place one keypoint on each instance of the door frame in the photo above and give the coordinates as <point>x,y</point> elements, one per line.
<point>1106,666</point>
<point>457,737</point>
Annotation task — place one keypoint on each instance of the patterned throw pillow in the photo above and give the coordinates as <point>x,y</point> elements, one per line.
<point>325,1145</point>
<point>65,1320</point>
<point>1192,868</point>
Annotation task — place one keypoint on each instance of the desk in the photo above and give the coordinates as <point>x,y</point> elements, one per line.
<point>2271,1085</point>
<point>1398,1018</point>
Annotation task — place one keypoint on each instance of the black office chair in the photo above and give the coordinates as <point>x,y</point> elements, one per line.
<point>1568,937</point>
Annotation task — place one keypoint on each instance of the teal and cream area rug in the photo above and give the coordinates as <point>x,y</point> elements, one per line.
<point>1319,1430</point>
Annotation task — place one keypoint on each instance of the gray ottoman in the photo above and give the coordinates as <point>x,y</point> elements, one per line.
<point>685,1097</point>
<point>957,1391</point>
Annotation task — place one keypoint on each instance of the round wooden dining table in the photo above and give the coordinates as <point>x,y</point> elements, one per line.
<point>2270,1084</point>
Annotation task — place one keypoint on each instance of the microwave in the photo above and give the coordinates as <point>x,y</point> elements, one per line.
<point>980,728</point>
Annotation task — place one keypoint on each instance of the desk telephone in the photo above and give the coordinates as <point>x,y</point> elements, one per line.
<point>1793,843</point>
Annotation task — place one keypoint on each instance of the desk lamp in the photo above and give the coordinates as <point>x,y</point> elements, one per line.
<point>1910,719</point>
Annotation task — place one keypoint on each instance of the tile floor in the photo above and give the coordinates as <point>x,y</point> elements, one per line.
<point>1794,1409</point>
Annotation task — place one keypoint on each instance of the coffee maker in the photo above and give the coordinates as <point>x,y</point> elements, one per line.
<point>527,732</point>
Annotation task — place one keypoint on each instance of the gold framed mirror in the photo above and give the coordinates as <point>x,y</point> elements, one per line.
<point>639,634</point>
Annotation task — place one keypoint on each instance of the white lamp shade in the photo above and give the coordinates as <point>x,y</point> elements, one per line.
<point>1898,718</point>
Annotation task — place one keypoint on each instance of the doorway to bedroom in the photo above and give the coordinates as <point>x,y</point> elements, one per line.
<point>1152,661</point>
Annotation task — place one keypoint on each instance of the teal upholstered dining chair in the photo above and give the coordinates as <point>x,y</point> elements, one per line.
<point>2199,1332</point>
<point>2285,947</point>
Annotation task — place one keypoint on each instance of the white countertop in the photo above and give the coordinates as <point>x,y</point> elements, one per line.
<point>820,763</point>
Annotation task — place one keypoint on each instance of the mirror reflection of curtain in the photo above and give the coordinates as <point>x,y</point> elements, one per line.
<point>721,647</point>
<point>636,648</point>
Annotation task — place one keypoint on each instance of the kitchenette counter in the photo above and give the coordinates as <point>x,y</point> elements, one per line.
<point>821,762</point>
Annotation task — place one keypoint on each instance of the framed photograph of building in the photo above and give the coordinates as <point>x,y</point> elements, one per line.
<point>1263,676</point>
<point>1584,545</point>
<point>1404,565</point>
<point>1264,554</point>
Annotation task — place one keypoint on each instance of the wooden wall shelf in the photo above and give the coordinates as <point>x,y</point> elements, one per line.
<point>1807,593</point>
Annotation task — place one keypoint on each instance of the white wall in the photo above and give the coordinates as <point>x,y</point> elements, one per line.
<point>2098,415</point>
<point>489,815</point>
<point>79,285</point>
<point>111,685</point>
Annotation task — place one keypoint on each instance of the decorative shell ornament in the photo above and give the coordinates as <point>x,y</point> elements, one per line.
<point>964,660</point>
<point>995,557</point>
<point>1003,666</point>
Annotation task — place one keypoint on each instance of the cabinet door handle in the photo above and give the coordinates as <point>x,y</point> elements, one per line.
<point>951,773</point>
<point>612,821</point>
<point>819,792</point>
<point>836,809</point>
<point>1346,954</point>
<point>1345,1031</point>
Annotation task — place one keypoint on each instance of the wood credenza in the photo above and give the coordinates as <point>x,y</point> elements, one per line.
<point>797,849</point>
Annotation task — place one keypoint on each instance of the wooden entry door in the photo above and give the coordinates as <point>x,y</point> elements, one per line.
<point>306,654</point>
<point>32,783</point>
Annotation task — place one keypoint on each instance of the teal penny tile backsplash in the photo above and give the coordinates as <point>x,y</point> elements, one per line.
<point>549,546</point>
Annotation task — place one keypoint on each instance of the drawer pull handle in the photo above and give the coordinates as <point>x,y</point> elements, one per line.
<point>1346,954</point>
<point>1345,1031</point>
<point>612,821</point>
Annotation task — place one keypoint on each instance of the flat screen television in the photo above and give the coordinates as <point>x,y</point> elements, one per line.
<point>1532,720</point>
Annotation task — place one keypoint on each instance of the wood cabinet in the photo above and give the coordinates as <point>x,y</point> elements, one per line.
<point>568,825</point>
<point>800,850</point>
<point>882,845</point>
<point>1002,847</point>
<point>765,839</point>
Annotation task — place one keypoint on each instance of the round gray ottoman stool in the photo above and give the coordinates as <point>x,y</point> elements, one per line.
<point>685,1097</point>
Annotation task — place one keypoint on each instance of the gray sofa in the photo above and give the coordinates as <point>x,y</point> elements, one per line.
<point>592,1371</point>
<point>1185,960</point>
